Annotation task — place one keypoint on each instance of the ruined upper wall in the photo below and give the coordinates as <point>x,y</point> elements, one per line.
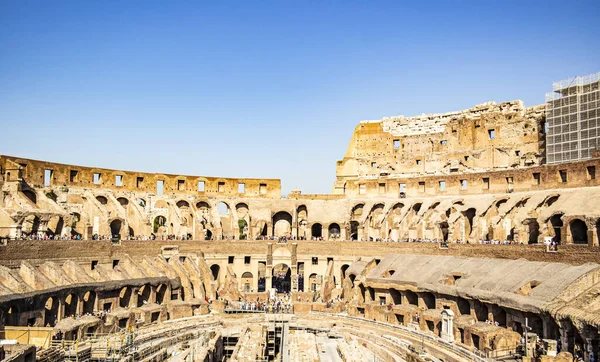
<point>32,172</point>
<point>486,137</point>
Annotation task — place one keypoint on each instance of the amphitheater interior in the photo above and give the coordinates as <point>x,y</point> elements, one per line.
<point>446,237</point>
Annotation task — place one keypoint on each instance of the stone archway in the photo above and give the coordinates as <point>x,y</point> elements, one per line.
<point>444,228</point>
<point>71,305</point>
<point>281,279</point>
<point>316,230</point>
<point>89,302</point>
<point>247,282</point>
<point>215,270</point>
<point>51,311</point>
<point>578,229</point>
<point>334,231</point>
<point>143,296</point>
<point>115,227</point>
<point>282,224</point>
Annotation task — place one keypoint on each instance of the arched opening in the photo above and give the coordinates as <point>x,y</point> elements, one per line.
<point>242,210</point>
<point>281,278</point>
<point>215,269</point>
<point>161,292</point>
<point>131,232</point>
<point>247,281</point>
<point>160,223</point>
<point>201,205</point>
<point>533,228</point>
<point>316,230</point>
<point>55,225</point>
<point>481,311</point>
<point>115,227</point>
<point>357,212</point>
<point>500,203</point>
<point>143,296</point>
<point>352,277</point>
<point>578,231</point>
<point>123,201</point>
<point>354,230</point>
<point>208,235</point>
<point>71,304</point>
<point>343,269</point>
<point>552,199</point>
<point>125,297</point>
<point>444,230</point>
<point>429,300</point>
<point>464,307</point>
<point>141,202</point>
<point>89,302</point>
<point>101,199</point>
<point>223,209</point>
<point>12,316</point>
<point>282,224</point>
<point>396,296</point>
<point>50,312</point>
<point>334,231</point>
<point>412,297</point>
<point>312,283</point>
<point>417,207</point>
<point>183,204</point>
<point>499,316</point>
<point>30,195</point>
<point>226,220</point>
<point>470,215</point>
<point>557,225</point>
<point>243,229</point>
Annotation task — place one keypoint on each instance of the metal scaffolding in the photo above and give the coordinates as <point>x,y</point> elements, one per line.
<point>572,116</point>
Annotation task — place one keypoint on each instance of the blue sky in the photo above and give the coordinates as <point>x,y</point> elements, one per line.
<point>264,89</point>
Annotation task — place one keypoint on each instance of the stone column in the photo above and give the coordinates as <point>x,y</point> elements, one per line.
<point>565,235</point>
<point>592,233</point>
<point>269,268</point>
<point>269,229</point>
<point>325,233</point>
<point>360,232</point>
<point>133,301</point>
<point>152,298</point>
<point>294,266</point>
<point>60,311</point>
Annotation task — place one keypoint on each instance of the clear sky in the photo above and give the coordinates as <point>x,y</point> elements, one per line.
<point>264,89</point>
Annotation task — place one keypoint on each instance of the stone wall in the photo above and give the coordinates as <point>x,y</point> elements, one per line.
<point>484,138</point>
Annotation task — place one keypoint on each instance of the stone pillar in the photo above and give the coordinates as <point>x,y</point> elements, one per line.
<point>294,266</point>
<point>60,311</point>
<point>565,235</point>
<point>152,298</point>
<point>360,231</point>
<point>269,229</point>
<point>564,338</point>
<point>133,301</point>
<point>592,233</point>
<point>325,233</point>
<point>269,268</point>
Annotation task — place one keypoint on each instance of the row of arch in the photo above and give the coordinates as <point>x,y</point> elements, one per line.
<point>83,303</point>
